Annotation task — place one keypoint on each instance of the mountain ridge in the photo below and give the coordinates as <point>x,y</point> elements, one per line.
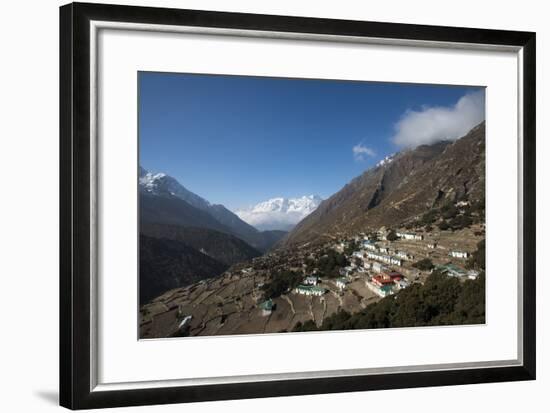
<point>225,248</point>
<point>408,184</point>
<point>163,200</point>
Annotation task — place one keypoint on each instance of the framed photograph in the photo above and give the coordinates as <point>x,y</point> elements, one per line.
<point>258,206</point>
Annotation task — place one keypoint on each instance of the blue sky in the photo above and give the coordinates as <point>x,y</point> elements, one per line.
<point>240,140</point>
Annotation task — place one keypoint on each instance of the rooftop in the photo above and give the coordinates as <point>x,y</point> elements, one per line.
<point>267,305</point>
<point>310,288</point>
<point>450,268</point>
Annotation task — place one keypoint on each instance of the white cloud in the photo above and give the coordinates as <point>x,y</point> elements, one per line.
<point>360,151</point>
<point>438,123</point>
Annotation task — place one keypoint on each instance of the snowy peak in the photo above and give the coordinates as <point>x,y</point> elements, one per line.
<point>150,182</point>
<point>279,213</point>
<point>305,205</point>
<point>163,185</point>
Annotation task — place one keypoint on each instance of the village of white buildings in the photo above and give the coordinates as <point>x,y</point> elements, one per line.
<point>385,262</point>
<point>387,266</point>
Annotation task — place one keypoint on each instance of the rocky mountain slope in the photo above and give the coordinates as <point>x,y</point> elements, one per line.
<point>163,200</point>
<point>174,211</point>
<point>401,188</point>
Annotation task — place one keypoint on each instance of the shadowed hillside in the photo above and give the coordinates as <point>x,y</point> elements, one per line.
<point>165,264</point>
<point>225,248</point>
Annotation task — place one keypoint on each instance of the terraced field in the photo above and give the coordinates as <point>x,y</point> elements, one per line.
<point>229,305</point>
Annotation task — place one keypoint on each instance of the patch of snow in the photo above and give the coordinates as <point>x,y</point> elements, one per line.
<point>387,160</point>
<point>150,180</point>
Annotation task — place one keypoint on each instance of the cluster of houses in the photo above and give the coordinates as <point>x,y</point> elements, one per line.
<point>382,253</point>
<point>387,283</point>
<point>377,262</point>
<point>350,269</point>
<point>388,259</point>
<point>309,287</point>
<point>378,267</point>
<point>369,245</point>
<point>409,236</point>
<point>379,259</point>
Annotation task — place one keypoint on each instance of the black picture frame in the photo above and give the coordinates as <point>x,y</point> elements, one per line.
<point>75,220</point>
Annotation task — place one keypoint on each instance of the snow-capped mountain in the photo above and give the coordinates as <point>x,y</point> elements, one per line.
<point>279,213</point>
<point>164,185</point>
<point>161,197</point>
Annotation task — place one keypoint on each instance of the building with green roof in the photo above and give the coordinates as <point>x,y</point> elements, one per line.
<point>310,290</point>
<point>341,283</point>
<point>451,270</point>
<point>267,307</point>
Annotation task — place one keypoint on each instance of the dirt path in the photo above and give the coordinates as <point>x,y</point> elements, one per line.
<point>338,297</point>
<point>290,303</point>
<point>310,308</point>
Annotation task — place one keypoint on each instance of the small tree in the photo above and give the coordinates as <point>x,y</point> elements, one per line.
<point>449,212</point>
<point>429,217</point>
<point>477,260</point>
<point>424,265</point>
<point>352,246</point>
<point>460,221</point>
<point>443,226</point>
<point>392,236</point>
